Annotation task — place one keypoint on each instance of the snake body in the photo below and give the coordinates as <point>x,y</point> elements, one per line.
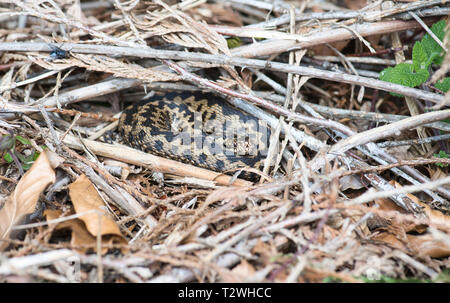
<point>195,128</point>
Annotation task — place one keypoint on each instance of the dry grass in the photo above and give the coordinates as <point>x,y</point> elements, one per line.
<point>330,204</point>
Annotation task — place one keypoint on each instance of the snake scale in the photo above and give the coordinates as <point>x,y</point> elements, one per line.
<point>196,128</point>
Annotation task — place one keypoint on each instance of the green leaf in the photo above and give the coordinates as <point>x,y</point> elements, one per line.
<point>443,155</point>
<point>28,162</point>
<point>433,50</point>
<point>234,42</point>
<point>443,85</point>
<point>27,166</point>
<point>23,140</point>
<point>21,157</point>
<point>419,56</point>
<point>8,158</point>
<point>35,156</point>
<point>439,29</point>
<point>403,73</point>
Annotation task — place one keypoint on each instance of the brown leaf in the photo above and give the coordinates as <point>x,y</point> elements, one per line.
<point>85,198</point>
<point>428,245</point>
<point>246,76</point>
<point>322,50</point>
<point>400,152</point>
<point>436,217</point>
<point>244,270</point>
<point>80,239</point>
<point>230,192</point>
<point>217,14</point>
<point>406,226</point>
<point>391,240</point>
<point>424,244</point>
<point>24,198</point>
<point>265,252</point>
<point>76,13</point>
<point>355,4</point>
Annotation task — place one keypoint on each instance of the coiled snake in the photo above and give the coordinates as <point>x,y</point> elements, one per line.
<point>196,128</point>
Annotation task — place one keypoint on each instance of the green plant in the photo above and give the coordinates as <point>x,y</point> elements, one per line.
<point>443,155</point>
<point>386,279</point>
<point>443,277</point>
<point>8,145</point>
<point>425,52</point>
<point>234,42</point>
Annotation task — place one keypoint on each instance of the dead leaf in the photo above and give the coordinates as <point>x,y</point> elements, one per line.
<point>355,4</point>
<point>76,13</point>
<point>437,173</point>
<point>85,198</point>
<point>244,270</point>
<point>24,198</point>
<point>423,244</point>
<point>436,217</point>
<point>390,239</point>
<point>217,14</point>
<point>230,192</point>
<point>400,152</point>
<point>265,251</point>
<point>428,245</point>
<point>323,50</point>
<point>54,159</point>
<point>351,182</point>
<point>417,244</point>
<point>80,239</point>
<point>246,76</point>
<point>406,226</point>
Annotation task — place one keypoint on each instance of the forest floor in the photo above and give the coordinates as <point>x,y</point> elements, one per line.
<point>354,186</point>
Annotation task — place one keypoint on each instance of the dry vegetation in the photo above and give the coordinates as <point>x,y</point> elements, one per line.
<point>354,191</point>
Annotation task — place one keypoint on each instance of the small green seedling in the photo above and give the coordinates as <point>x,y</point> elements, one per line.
<point>234,42</point>
<point>425,52</point>
<point>8,145</point>
<point>443,155</point>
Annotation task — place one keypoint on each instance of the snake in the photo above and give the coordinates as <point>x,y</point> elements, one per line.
<point>197,128</point>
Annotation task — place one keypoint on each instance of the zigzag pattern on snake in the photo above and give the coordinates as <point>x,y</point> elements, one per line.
<point>196,128</point>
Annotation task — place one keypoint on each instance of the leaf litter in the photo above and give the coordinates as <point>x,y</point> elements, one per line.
<point>295,225</point>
